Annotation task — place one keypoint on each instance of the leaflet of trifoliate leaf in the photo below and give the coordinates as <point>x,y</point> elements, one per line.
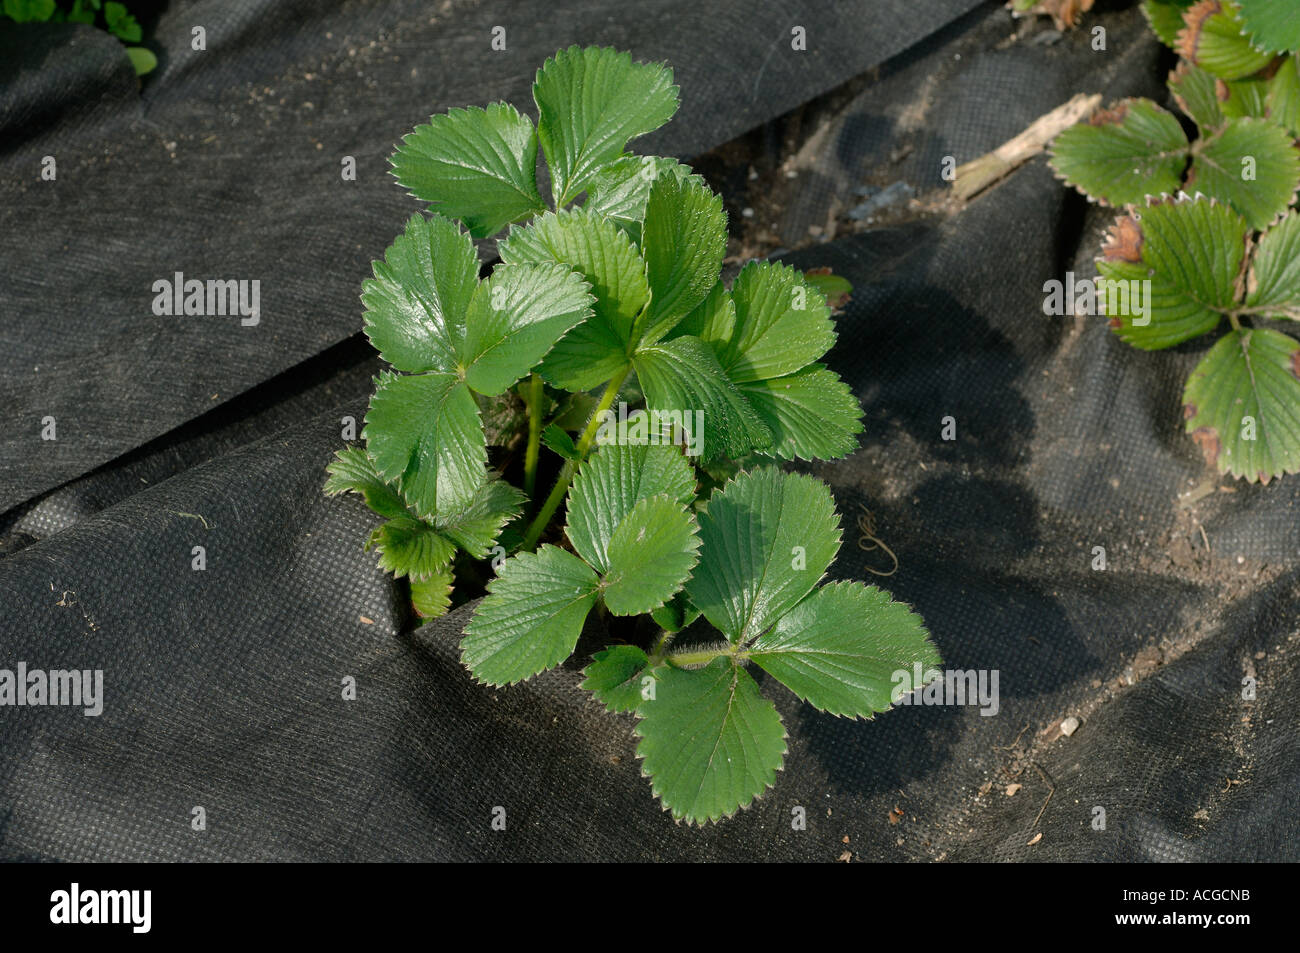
<point>615,676</point>
<point>1242,404</point>
<point>591,101</point>
<point>1193,283</point>
<point>1270,25</point>
<point>710,742</point>
<point>1123,154</point>
<point>515,318</point>
<point>841,648</point>
<point>651,553</point>
<point>531,618</point>
<point>1212,38</point>
<point>423,432</point>
<point>683,375</point>
<point>416,303</point>
<point>611,483</point>
<point>474,165</point>
<point>768,537</point>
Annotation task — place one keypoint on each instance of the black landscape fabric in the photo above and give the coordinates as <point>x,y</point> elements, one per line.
<point>222,687</point>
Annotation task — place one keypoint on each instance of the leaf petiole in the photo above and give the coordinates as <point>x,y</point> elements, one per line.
<point>538,525</point>
<point>700,657</point>
<point>535,395</point>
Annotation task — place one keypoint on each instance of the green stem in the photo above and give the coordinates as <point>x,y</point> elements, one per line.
<point>534,434</point>
<point>606,401</point>
<point>538,525</point>
<point>1234,321</point>
<point>656,656</point>
<point>701,656</point>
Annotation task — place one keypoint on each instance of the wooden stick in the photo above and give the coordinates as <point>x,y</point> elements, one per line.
<point>974,177</point>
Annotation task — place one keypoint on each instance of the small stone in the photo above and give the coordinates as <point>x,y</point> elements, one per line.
<point>1070,726</point>
<point>1012,789</point>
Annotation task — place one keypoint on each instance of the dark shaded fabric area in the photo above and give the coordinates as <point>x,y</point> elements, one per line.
<point>228,165</point>
<point>223,686</point>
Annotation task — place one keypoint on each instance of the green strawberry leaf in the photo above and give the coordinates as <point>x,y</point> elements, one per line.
<point>812,414</point>
<point>559,441</point>
<point>1197,93</point>
<point>684,238</point>
<point>1274,282</point>
<point>596,350</point>
<point>609,486</point>
<point>1211,102</point>
<point>683,376</point>
<point>142,59</point>
<point>1191,251</point>
<point>675,614</point>
<point>651,554</point>
<point>1166,18</point>
<point>1242,404</point>
<point>353,470</point>
<point>531,618</point>
<point>1252,165</point>
<point>590,102</point>
<point>29,11</point>
<point>1271,25</point>
<point>615,676</point>
<point>1283,103</point>
<point>120,23</point>
<point>423,433</point>
<point>839,649</point>
<point>620,190</point>
<point>710,742</point>
<point>515,318</point>
<point>713,320</point>
<point>416,303</point>
<point>475,165</point>
<point>1123,154</point>
<point>411,547</point>
<point>768,537</point>
<point>431,597</point>
<point>477,528</point>
<point>782,324</point>
<point>1212,38</point>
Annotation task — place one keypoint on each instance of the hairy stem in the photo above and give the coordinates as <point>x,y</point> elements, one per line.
<point>534,434</point>
<point>702,656</point>
<point>538,525</point>
<point>657,654</point>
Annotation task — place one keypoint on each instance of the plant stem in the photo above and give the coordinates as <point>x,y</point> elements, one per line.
<point>538,525</point>
<point>1234,321</point>
<point>702,656</point>
<point>657,655</point>
<point>534,434</point>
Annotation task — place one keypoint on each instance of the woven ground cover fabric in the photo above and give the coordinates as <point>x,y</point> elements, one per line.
<point>223,686</point>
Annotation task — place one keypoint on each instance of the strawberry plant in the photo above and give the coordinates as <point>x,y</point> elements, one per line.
<point>116,20</point>
<point>1210,224</point>
<point>704,558</point>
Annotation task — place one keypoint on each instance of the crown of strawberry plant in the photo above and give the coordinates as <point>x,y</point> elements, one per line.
<point>1210,221</point>
<point>675,513</point>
